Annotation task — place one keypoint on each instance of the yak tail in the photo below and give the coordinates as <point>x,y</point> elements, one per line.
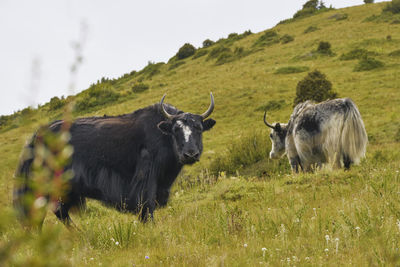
<point>22,176</point>
<point>354,137</point>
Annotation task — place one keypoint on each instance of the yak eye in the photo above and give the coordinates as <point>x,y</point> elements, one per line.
<point>270,135</point>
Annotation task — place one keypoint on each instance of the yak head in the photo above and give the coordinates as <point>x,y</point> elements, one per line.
<point>277,136</point>
<point>186,130</point>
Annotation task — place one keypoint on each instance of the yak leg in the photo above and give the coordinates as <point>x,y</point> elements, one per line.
<point>63,207</point>
<point>295,164</point>
<point>347,161</point>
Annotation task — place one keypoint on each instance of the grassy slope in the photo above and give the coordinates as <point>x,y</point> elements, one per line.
<point>208,224</point>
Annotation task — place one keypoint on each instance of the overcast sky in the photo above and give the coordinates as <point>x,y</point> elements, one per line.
<point>119,36</point>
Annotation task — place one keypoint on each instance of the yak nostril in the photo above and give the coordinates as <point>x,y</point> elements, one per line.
<point>191,154</point>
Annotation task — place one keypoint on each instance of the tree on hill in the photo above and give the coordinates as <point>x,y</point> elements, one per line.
<point>314,87</point>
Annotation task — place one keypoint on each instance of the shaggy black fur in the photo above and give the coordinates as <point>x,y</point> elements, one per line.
<point>125,161</point>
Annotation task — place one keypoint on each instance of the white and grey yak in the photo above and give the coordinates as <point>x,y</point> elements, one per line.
<point>330,133</point>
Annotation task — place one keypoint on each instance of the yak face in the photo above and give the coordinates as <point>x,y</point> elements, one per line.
<point>278,136</point>
<point>186,131</point>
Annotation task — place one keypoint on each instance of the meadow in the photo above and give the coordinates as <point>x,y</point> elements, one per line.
<point>236,207</point>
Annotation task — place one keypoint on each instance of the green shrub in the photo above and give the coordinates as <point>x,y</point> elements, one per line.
<point>305,12</point>
<point>218,50</point>
<point>357,53</point>
<point>291,69</point>
<point>208,43</point>
<point>368,63</point>
<point>97,95</point>
<point>56,103</point>
<point>176,64</point>
<point>187,50</point>
<point>392,7</point>
<point>150,70</point>
<point>286,39</point>
<point>271,105</point>
<point>224,57</point>
<point>311,29</point>
<point>314,87</point>
<point>368,1</point>
<point>324,48</point>
<point>395,53</point>
<point>268,38</point>
<point>241,153</point>
<point>200,53</point>
<point>339,16</point>
<point>139,87</point>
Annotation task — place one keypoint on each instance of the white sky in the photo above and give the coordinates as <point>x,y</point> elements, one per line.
<point>122,35</point>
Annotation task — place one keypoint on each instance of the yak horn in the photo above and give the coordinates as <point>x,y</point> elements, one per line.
<point>166,114</point>
<point>266,123</point>
<point>210,108</point>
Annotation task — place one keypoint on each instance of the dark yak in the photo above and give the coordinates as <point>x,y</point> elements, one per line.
<point>128,161</point>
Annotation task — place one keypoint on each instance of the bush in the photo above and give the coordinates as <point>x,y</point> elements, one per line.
<point>187,50</point>
<point>216,51</point>
<point>139,87</point>
<point>208,43</point>
<point>200,53</point>
<point>392,7</point>
<point>268,38</point>
<point>56,103</point>
<point>395,53</point>
<point>286,39</point>
<point>291,69</point>
<point>357,53</point>
<point>314,87</point>
<point>368,1</point>
<point>151,69</point>
<point>176,64</point>
<point>224,57</point>
<point>95,96</point>
<point>368,63</point>
<point>339,16</point>
<point>324,48</point>
<point>311,29</point>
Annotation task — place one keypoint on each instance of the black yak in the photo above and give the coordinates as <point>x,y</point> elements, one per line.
<point>129,161</point>
<point>330,133</point>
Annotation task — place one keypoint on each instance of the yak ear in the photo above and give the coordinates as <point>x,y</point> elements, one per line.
<point>208,124</point>
<point>165,127</point>
<point>278,127</point>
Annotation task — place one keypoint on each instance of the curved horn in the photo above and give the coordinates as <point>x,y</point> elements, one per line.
<point>210,108</point>
<point>165,113</point>
<point>266,123</point>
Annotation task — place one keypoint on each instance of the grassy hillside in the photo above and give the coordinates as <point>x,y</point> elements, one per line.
<point>324,218</point>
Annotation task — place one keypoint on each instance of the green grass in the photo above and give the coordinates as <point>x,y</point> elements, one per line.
<point>210,217</point>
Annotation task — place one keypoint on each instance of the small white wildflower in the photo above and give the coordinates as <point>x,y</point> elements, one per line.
<point>112,239</point>
<point>288,259</point>
<point>91,259</point>
<point>264,249</point>
<point>326,250</point>
<point>245,245</point>
<point>327,238</point>
<point>40,202</point>
<point>307,258</point>
<point>146,257</point>
<point>117,243</point>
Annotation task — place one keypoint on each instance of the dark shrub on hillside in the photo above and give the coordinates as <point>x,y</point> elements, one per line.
<point>200,53</point>
<point>368,1</point>
<point>291,69</point>
<point>268,38</point>
<point>395,53</point>
<point>357,53</point>
<point>324,48</point>
<point>176,64</point>
<point>216,51</point>
<point>233,35</point>
<point>56,103</point>
<point>314,87</point>
<point>207,43</point>
<point>393,7</point>
<point>313,4</point>
<point>286,39</point>
<point>311,29</point>
<point>187,50</point>
<point>96,96</point>
<point>151,69</point>
<point>139,87</point>
<point>225,57</point>
<point>368,63</point>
